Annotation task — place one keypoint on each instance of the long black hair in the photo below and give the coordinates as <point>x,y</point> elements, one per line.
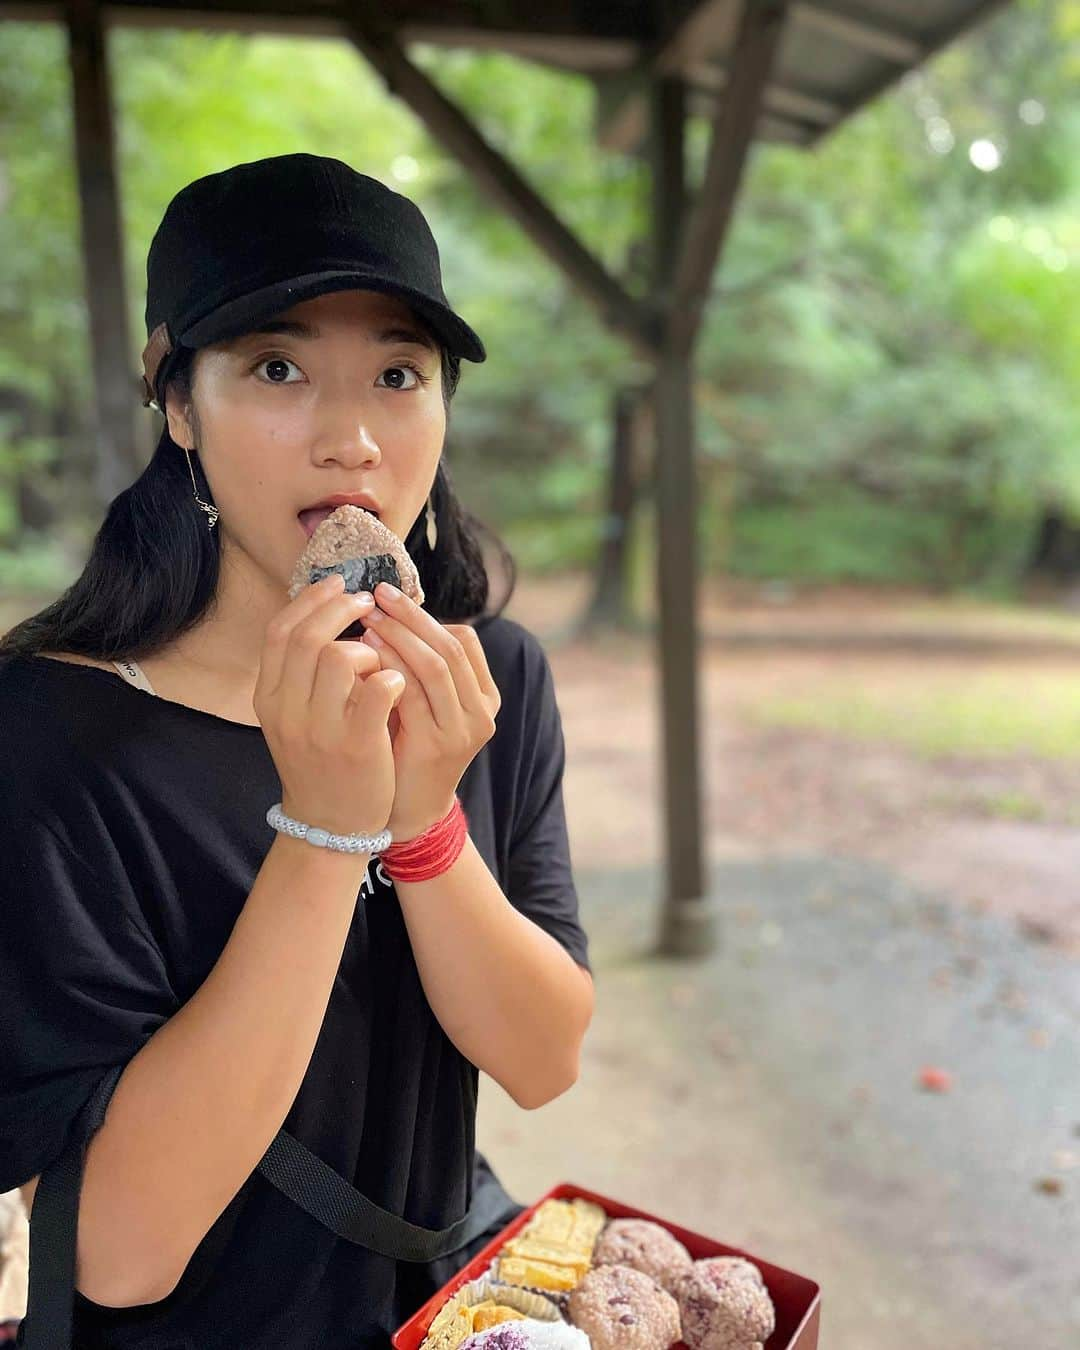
<point>153,567</point>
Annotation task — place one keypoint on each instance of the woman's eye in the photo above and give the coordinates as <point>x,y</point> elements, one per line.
<point>276,364</point>
<point>396,374</point>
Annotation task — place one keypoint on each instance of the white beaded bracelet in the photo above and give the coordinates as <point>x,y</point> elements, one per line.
<point>340,843</point>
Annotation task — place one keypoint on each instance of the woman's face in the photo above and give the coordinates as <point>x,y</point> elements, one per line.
<point>349,400</point>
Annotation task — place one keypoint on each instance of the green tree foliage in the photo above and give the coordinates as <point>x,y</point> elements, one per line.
<point>888,369</point>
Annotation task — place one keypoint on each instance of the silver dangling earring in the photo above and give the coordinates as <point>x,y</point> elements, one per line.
<point>432,528</point>
<point>211,511</point>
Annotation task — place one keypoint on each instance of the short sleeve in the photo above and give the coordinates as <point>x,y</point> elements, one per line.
<point>541,883</point>
<point>82,988</point>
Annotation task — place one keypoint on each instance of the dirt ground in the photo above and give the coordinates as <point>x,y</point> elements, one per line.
<point>773,791</point>
<point>877,916</point>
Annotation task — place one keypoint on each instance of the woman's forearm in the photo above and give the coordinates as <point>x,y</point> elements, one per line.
<point>195,1110</point>
<point>511,999</point>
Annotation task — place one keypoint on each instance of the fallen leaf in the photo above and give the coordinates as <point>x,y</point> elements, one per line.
<point>935,1080</point>
<point>722,1044</point>
<point>1012,997</point>
<point>1036,930</point>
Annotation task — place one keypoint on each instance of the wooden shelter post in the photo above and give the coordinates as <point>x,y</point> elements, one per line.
<point>687,923</point>
<point>686,247</point>
<point>663,330</point>
<point>115,404</point>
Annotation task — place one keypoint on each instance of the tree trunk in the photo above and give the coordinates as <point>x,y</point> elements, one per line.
<point>611,605</point>
<point>33,508</point>
<point>1056,554</point>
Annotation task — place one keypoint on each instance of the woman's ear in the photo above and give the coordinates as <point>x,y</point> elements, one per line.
<point>178,415</point>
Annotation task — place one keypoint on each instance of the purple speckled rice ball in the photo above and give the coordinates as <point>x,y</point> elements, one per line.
<point>724,1305</point>
<point>736,1266</point>
<point>647,1247</point>
<point>528,1334</point>
<point>624,1309</point>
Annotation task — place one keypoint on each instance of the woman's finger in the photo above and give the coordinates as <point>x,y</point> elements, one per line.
<point>304,647</point>
<point>442,683</point>
<point>414,700</point>
<point>276,638</point>
<point>404,610</point>
<point>341,667</point>
<point>474,650</point>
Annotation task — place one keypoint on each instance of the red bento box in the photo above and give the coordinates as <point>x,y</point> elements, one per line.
<point>797,1300</point>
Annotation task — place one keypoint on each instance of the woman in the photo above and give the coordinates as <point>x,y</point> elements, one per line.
<point>242,980</point>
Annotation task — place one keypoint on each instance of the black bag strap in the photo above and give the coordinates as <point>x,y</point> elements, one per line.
<point>328,1197</point>
<point>54,1228</point>
<point>287,1164</point>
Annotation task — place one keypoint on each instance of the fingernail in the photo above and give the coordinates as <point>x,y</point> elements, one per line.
<point>388,592</point>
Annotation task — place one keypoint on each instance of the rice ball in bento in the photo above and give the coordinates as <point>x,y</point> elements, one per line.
<point>646,1246</point>
<point>624,1309</point>
<point>529,1334</point>
<point>724,1305</point>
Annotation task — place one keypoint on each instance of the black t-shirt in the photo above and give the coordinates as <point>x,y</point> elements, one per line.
<point>134,827</point>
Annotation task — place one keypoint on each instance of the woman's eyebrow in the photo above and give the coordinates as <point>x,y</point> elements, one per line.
<point>413,335</point>
<point>290,327</point>
<point>296,328</point>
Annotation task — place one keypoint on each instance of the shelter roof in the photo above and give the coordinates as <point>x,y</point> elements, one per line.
<point>835,55</point>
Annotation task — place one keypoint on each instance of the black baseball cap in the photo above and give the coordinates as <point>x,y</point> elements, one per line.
<point>236,247</point>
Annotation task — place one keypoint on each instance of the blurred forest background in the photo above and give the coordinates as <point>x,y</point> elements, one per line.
<point>888,374</point>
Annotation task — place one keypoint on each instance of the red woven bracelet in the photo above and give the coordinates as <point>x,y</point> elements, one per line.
<point>431,853</point>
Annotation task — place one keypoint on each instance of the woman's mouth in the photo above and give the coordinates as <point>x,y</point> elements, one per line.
<point>310,519</point>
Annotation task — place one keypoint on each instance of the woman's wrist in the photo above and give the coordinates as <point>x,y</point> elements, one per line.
<point>432,852</point>
<point>321,820</point>
<point>411,832</point>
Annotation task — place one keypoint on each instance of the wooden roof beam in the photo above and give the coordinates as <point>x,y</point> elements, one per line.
<point>771,126</point>
<point>708,26</point>
<point>931,44</point>
<point>779,99</point>
<point>761,26</point>
<point>686,51</point>
<point>622,108</point>
<point>875,39</point>
<point>497,176</point>
<point>574,53</point>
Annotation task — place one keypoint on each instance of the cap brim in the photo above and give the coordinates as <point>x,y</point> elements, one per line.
<point>239,316</point>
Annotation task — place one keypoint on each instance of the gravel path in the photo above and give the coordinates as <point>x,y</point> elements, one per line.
<point>769,1096</point>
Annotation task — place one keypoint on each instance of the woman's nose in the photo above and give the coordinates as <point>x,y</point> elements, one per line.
<point>347,433</point>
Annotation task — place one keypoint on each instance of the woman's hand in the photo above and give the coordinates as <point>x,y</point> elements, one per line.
<point>325,709</point>
<point>446,714</point>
